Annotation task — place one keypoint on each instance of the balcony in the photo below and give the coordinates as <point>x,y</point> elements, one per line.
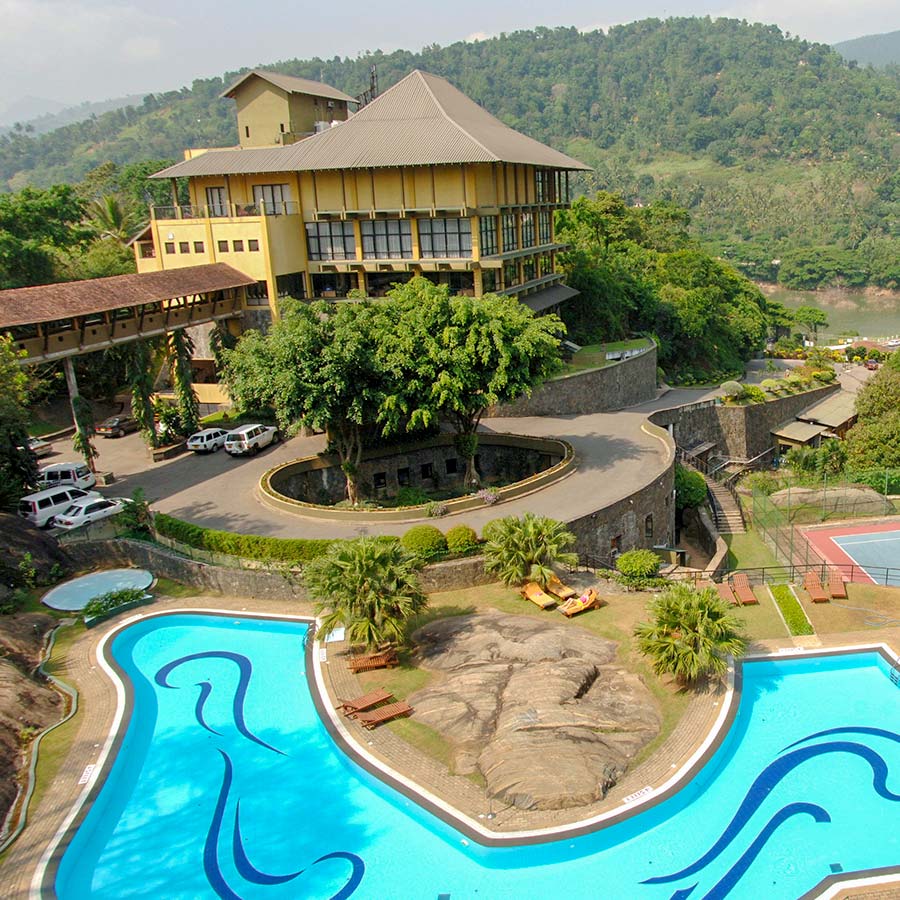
<point>225,210</point>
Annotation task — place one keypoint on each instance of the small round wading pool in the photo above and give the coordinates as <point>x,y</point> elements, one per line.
<point>74,595</point>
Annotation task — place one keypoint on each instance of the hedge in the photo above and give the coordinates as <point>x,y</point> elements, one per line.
<point>791,609</point>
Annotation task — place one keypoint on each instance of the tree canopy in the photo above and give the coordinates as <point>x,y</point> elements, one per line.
<point>17,464</point>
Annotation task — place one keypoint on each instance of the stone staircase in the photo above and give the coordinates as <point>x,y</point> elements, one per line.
<point>729,518</point>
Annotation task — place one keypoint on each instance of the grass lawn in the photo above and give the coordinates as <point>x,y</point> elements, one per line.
<point>228,418</point>
<point>747,551</point>
<point>594,355</point>
<point>762,622</point>
<point>165,587</point>
<point>867,607</point>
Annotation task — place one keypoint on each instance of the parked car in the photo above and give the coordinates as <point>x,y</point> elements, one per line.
<point>207,441</point>
<point>250,439</point>
<point>88,509</point>
<point>69,474</point>
<point>117,426</point>
<point>38,447</point>
<point>871,365</point>
<point>39,508</point>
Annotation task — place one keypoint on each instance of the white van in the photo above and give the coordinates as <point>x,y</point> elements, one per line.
<point>41,507</point>
<point>250,439</point>
<point>66,474</point>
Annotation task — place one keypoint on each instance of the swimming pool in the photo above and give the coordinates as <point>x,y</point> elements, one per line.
<point>227,784</point>
<point>75,594</point>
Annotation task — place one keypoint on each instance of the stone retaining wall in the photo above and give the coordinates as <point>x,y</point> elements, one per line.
<point>616,386</point>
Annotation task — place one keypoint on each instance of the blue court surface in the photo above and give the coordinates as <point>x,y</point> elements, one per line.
<point>878,552</point>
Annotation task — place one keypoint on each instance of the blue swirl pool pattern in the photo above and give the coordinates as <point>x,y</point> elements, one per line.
<point>227,785</point>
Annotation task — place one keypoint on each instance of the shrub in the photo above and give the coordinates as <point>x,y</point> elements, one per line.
<point>461,539</point>
<point>792,611</point>
<point>825,376</point>
<point>732,389</point>
<point>491,529</point>
<point>110,601</point>
<point>754,393</point>
<point>425,541</point>
<point>436,509</point>
<point>772,385</point>
<point>411,496</point>
<point>527,548</point>
<point>638,564</point>
<point>690,488</point>
<point>489,496</point>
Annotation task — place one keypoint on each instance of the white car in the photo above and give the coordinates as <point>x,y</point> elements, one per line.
<point>207,441</point>
<point>39,447</point>
<point>89,509</point>
<point>250,439</point>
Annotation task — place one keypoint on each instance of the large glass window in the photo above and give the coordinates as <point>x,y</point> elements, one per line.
<point>510,273</point>
<point>258,294</point>
<point>386,239</point>
<point>528,229</point>
<point>545,231</point>
<point>510,233</point>
<point>271,198</point>
<point>489,280</point>
<point>330,240</point>
<point>290,285</point>
<point>216,201</point>
<point>528,268</point>
<point>488,234</point>
<point>441,238</point>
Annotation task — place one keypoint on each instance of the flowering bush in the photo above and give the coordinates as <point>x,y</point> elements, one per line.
<point>488,496</point>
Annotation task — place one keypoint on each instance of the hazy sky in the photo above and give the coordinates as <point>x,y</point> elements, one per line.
<point>75,50</point>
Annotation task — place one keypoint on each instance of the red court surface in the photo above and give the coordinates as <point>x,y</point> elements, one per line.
<point>867,553</point>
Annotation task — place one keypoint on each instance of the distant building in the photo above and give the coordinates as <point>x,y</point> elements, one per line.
<point>317,202</point>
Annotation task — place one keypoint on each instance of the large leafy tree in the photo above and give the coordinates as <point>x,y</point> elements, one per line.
<point>139,372</point>
<point>527,548</point>
<point>18,468</point>
<point>367,586</point>
<point>691,634</point>
<point>455,357</point>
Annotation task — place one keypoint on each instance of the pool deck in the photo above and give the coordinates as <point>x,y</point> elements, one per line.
<point>98,704</point>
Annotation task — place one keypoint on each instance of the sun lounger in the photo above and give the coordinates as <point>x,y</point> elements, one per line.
<point>813,587</point>
<point>366,701</point>
<point>383,714</point>
<point>364,662</point>
<point>533,592</point>
<point>742,590</point>
<point>836,586</point>
<point>558,589</point>
<point>723,589</point>
<point>588,600</point>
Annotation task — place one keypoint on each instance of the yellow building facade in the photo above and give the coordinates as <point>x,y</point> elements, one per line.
<point>422,181</point>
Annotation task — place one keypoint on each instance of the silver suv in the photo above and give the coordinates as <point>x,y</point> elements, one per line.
<point>250,439</point>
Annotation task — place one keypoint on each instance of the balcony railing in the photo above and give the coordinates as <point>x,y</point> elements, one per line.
<point>228,210</point>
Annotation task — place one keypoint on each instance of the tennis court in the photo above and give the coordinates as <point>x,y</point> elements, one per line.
<point>865,553</point>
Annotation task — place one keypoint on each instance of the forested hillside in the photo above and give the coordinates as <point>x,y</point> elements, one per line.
<point>775,145</point>
<point>873,49</point>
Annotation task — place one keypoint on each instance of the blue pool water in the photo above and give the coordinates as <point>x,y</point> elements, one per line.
<point>76,593</point>
<point>227,784</point>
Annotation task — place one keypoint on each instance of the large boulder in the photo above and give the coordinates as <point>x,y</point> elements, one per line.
<point>18,538</point>
<point>542,711</point>
<point>856,499</point>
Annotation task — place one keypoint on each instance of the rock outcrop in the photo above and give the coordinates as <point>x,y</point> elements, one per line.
<point>542,711</point>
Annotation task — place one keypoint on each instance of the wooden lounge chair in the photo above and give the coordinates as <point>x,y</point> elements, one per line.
<point>836,586</point>
<point>365,662</point>
<point>533,592</point>
<point>558,589</point>
<point>383,714</point>
<point>742,590</point>
<point>813,586</point>
<point>723,589</point>
<point>366,701</point>
<point>588,600</point>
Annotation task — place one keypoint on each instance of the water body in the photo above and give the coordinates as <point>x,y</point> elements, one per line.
<point>872,314</point>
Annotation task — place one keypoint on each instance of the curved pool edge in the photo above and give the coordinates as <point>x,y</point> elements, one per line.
<point>43,880</point>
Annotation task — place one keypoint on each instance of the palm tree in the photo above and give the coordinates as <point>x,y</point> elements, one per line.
<point>114,217</point>
<point>691,634</point>
<point>367,586</point>
<point>526,549</point>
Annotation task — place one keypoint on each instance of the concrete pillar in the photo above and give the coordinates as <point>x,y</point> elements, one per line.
<point>71,384</point>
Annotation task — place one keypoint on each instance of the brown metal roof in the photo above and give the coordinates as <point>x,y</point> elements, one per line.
<point>834,411</point>
<point>292,85</point>
<point>47,302</point>
<point>421,121</point>
<point>799,432</point>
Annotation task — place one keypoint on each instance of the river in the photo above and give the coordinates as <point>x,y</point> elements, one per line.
<point>873,314</point>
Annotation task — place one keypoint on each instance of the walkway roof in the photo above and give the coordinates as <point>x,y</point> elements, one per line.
<point>547,297</point>
<point>49,302</point>
<point>422,120</point>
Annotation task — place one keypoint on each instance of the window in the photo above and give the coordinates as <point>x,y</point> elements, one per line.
<point>198,247</point>
<point>510,233</point>
<point>648,526</point>
<point>527,229</point>
<point>403,476</point>
<point>237,246</point>
<point>510,273</point>
<point>386,239</point>
<point>489,281</point>
<point>216,201</point>
<point>488,234</point>
<point>246,131</point>
<point>282,127</point>
<point>148,251</point>
<point>330,240</point>
<point>184,247</point>
<point>258,294</point>
<point>170,247</point>
<point>540,185</point>
<point>528,269</point>
<point>223,246</point>
<point>379,480</point>
<point>427,470</point>
<point>443,238</point>
<point>545,231</point>
<point>253,246</point>
<point>291,285</point>
<point>451,465</point>
<point>615,546</point>
<point>333,284</point>
<point>271,198</point>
